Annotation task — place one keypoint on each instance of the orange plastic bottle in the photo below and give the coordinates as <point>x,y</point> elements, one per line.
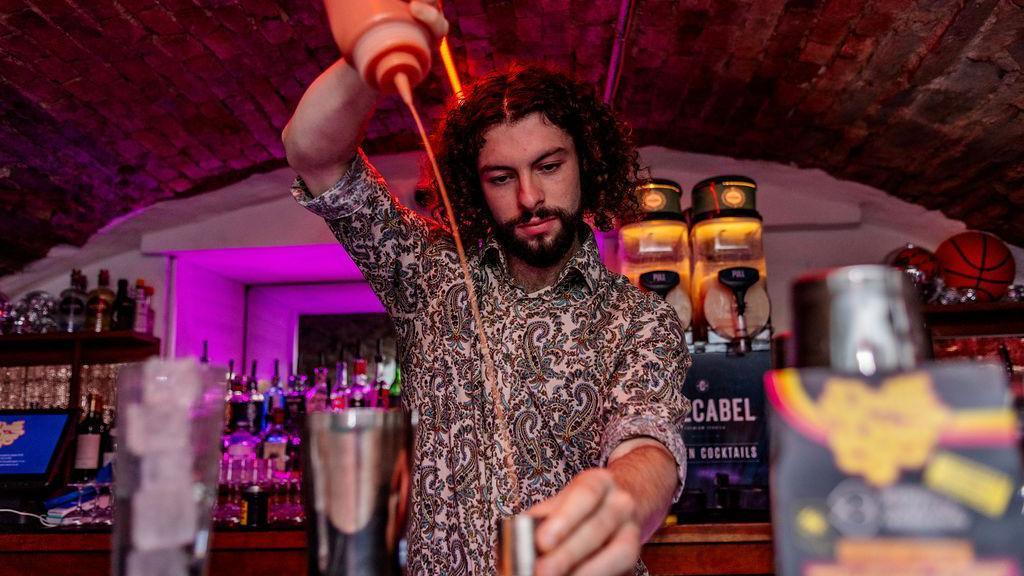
<point>381,39</point>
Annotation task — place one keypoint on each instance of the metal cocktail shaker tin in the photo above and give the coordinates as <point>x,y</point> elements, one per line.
<point>358,478</point>
<point>857,320</point>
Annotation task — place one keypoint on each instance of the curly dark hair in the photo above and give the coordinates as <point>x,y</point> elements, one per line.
<point>608,160</point>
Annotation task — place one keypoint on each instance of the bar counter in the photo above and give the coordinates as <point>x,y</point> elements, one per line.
<point>676,550</point>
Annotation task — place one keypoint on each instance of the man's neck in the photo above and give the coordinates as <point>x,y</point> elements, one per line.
<point>533,278</point>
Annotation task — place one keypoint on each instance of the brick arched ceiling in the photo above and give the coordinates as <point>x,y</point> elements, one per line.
<point>107,106</point>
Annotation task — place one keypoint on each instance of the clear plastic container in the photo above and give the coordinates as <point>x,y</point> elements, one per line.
<point>655,245</point>
<point>659,243</point>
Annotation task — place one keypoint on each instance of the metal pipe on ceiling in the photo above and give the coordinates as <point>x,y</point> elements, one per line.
<point>611,84</point>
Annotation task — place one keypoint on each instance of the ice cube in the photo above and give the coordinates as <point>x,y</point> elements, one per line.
<point>164,517</point>
<point>166,469</point>
<point>163,562</point>
<point>176,382</point>
<point>187,381</point>
<point>159,427</point>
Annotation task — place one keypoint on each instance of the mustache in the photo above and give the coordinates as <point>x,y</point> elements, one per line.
<point>540,214</point>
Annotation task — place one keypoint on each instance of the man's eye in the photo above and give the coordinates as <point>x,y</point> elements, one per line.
<point>550,167</point>
<point>499,180</point>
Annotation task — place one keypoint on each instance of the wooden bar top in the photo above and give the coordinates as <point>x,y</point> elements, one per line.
<point>676,550</point>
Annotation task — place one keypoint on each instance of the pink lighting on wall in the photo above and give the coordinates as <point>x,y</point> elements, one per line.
<point>246,302</point>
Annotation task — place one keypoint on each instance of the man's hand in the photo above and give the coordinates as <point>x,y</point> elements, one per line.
<point>588,528</point>
<point>429,13</point>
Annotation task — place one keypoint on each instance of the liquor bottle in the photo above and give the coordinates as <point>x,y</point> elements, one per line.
<point>295,402</point>
<point>274,397</point>
<point>108,443</point>
<point>73,300</point>
<point>241,443</point>
<point>150,312</point>
<point>237,401</point>
<point>395,395</point>
<point>100,305</point>
<point>276,441</point>
<point>318,394</point>
<point>341,391</point>
<point>381,390</point>
<point>123,316</point>
<point>257,418</point>
<point>295,417</point>
<point>141,308</point>
<point>90,435</point>
<point>361,388</point>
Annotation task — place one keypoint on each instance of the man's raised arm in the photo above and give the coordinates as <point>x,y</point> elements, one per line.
<point>324,132</point>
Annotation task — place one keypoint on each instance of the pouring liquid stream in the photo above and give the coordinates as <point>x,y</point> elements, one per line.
<point>490,374</point>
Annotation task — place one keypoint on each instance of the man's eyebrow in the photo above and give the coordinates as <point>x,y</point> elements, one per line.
<point>495,167</point>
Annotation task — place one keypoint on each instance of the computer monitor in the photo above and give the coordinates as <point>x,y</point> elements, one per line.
<point>32,445</point>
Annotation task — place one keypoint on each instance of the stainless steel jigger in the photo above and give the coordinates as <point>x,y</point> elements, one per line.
<point>517,552</point>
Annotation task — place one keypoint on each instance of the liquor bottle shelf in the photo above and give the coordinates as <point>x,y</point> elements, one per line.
<point>977,319</point>
<point>76,350</point>
<point>78,347</point>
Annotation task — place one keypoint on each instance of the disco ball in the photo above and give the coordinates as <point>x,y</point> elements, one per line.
<point>38,309</point>
<point>968,295</point>
<point>1015,293</point>
<point>920,266</point>
<point>948,296</point>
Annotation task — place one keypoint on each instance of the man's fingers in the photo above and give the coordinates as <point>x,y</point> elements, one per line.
<point>543,509</point>
<point>589,536</point>
<point>615,559</point>
<point>578,500</point>
<point>429,14</point>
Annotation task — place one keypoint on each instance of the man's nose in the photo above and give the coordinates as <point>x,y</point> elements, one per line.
<point>530,193</point>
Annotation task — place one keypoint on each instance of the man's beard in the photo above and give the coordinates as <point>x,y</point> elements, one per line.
<point>540,252</point>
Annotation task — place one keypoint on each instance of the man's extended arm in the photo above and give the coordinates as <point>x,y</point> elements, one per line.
<point>598,522</point>
<point>647,471</point>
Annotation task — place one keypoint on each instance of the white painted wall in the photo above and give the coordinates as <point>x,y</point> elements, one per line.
<point>811,221</point>
<point>208,306</point>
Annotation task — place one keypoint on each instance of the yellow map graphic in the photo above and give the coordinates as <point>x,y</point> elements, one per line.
<point>11,431</point>
<point>878,434</point>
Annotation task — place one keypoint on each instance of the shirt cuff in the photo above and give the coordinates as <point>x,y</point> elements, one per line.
<point>350,193</point>
<point>664,431</point>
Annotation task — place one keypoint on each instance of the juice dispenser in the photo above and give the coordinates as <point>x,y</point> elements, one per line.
<point>726,235</point>
<point>659,243</point>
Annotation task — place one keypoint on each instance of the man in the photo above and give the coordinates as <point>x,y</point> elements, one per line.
<point>589,369</point>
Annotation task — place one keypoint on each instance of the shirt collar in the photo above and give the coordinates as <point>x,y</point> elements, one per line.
<point>585,264</point>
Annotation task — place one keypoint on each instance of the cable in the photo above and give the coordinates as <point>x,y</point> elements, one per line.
<point>42,519</point>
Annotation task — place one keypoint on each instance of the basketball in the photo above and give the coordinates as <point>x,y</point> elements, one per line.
<point>977,260</point>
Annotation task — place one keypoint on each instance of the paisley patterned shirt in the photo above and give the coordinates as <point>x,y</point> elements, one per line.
<point>582,365</point>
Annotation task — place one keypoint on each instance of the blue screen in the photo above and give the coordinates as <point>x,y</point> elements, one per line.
<point>27,441</point>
